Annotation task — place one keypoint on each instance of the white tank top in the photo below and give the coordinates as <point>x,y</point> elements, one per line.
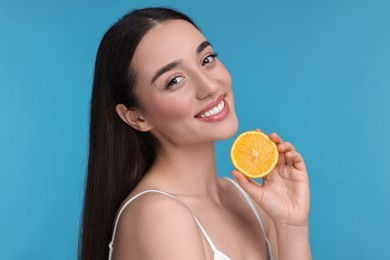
<point>218,255</point>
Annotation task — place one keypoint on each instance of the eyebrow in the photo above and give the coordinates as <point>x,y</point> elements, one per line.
<point>176,63</point>
<point>203,46</point>
<point>166,68</point>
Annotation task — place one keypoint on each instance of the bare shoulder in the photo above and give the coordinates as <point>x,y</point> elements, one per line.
<point>157,226</point>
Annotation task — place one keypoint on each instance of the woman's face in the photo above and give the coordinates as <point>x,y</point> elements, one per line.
<point>184,91</point>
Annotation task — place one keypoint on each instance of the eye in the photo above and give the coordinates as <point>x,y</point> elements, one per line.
<point>174,81</point>
<point>209,59</point>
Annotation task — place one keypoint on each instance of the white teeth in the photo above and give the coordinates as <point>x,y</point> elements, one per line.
<point>215,110</point>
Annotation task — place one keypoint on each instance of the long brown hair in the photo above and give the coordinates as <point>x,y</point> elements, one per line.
<point>119,156</point>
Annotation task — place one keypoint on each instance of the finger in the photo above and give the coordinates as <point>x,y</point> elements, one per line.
<point>285,148</point>
<point>253,189</point>
<point>275,138</point>
<point>278,141</point>
<point>282,157</point>
<point>258,129</point>
<point>294,158</point>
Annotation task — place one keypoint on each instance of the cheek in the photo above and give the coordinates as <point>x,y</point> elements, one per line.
<point>170,107</point>
<point>224,75</point>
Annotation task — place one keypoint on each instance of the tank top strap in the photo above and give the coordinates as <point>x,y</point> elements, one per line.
<point>211,243</point>
<point>253,208</point>
<point>110,245</point>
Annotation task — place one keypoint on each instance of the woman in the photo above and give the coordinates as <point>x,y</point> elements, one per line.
<point>160,100</point>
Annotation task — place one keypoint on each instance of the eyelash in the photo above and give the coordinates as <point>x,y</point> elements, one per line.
<point>170,83</point>
<point>212,55</point>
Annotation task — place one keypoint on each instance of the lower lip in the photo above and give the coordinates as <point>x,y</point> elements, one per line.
<point>217,117</point>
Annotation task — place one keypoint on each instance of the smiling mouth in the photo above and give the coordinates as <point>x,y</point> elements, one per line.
<point>214,110</point>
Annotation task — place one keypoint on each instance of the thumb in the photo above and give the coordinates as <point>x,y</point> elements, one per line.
<point>254,189</point>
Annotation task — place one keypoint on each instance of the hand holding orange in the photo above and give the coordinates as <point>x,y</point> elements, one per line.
<point>285,194</point>
<point>254,154</point>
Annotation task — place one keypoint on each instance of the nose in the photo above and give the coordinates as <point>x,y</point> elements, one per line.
<point>204,83</point>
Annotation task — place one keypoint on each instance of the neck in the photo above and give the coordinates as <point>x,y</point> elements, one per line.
<point>187,170</point>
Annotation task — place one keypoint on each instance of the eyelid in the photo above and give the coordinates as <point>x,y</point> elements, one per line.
<point>209,54</point>
<point>172,77</point>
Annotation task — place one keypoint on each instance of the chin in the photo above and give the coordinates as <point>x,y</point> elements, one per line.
<point>230,129</point>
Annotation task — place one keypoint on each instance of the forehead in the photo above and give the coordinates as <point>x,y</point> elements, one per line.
<point>169,41</point>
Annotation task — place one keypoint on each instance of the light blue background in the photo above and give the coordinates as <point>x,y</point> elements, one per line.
<point>316,72</point>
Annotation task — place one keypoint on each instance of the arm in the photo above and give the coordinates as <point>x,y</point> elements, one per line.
<point>285,198</point>
<point>158,227</point>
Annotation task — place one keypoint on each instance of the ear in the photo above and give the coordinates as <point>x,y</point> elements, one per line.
<point>133,118</point>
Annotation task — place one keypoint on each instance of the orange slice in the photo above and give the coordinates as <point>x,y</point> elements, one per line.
<point>254,154</point>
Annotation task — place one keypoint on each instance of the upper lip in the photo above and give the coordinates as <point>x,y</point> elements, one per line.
<point>211,105</point>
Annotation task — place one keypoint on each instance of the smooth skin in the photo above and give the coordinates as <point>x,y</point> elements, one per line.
<point>156,226</point>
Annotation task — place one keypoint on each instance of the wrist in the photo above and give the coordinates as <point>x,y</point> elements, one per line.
<point>293,242</point>
<point>292,230</point>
